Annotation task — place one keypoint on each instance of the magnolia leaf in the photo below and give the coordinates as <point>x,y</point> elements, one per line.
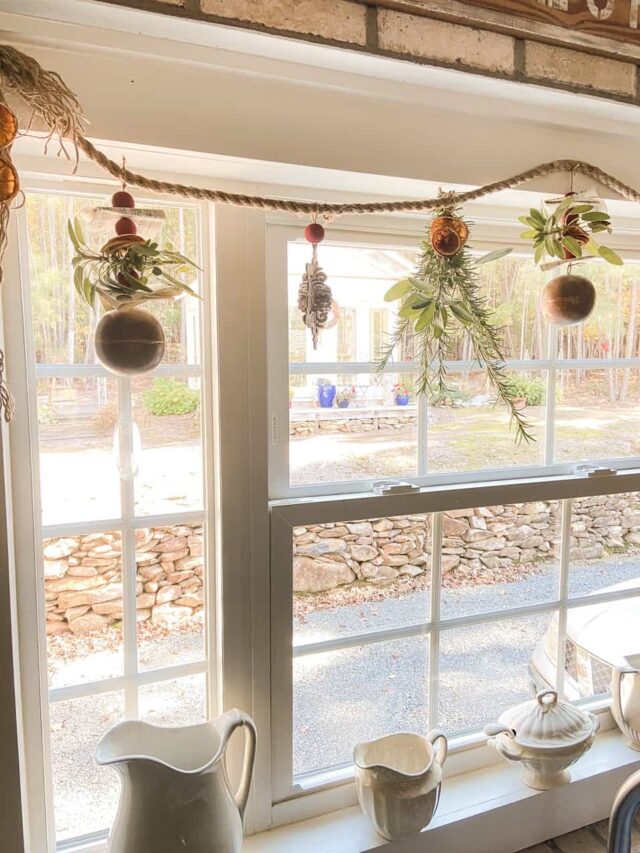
<point>610,256</point>
<point>397,290</point>
<point>494,256</point>
<point>424,304</point>
<point>539,253</point>
<point>596,216</point>
<point>572,245</point>
<point>407,312</point>
<point>444,316</point>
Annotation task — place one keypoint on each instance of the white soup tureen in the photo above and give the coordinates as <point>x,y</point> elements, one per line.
<point>545,736</point>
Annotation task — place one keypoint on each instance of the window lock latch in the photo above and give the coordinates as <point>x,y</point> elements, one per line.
<point>393,487</point>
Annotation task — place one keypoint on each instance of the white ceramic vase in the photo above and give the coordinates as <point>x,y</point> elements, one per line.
<point>175,794</point>
<point>625,701</point>
<point>398,781</point>
<point>545,737</point>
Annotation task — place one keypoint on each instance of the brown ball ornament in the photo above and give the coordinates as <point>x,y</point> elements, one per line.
<point>124,225</point>
<point>314,233</point>
<point>129,341</point>
<point>122,198</point>
<point>448,234</point>
<point>8,126</point>
<point>568,300</point>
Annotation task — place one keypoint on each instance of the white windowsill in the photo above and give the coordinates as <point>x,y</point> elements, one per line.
<point>486,811</point>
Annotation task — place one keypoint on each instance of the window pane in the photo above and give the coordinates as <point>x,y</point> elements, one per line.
<point>359,277</point>
<point>365,434</point>
<point>597,415</point>
<point>499,557</point>
<point>511,287</point>
<point>605,534</point>
<point>170,566</point>
<point>181,702</point>
<point>469,430</point>
<point>484,669</point>
<point>83,604</point>
<point>85,795</point>
<point>167,445</point>
<point>343,697</point>
<point>79,478</point>
<point>62,322</point>
<point>358,577</point>
<point>611,330</point>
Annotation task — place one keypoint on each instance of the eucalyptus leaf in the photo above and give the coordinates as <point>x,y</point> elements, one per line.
<point>494,256</point>
<point>397,290</point>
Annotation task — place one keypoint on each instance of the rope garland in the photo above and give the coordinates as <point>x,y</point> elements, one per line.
<point>329,209</point>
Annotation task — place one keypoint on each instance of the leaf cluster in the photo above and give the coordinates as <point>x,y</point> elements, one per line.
<point>568,228</point>
<point>440,299</point>
<point>125,272</point>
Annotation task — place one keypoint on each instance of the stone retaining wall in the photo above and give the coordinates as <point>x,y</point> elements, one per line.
<point>476,542</point>
<point>315,421</point>
<point>83,578</point>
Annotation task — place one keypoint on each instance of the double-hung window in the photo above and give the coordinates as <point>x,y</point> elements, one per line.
<point>445,603</point>
<point>112,499</point>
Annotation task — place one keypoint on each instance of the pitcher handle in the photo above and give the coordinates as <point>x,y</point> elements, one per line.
<point>227,724</point>
<point>441,754</point>
<point>618,673</point>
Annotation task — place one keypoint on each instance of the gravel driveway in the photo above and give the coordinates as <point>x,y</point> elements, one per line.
<point>364,692</point>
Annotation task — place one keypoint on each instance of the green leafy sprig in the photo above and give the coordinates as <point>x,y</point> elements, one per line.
<point>566,232</point>
<point>442,297</point>
<point>122,272</point>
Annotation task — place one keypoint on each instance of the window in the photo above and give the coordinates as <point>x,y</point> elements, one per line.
<point>123,537</point>
<point>442,606</point>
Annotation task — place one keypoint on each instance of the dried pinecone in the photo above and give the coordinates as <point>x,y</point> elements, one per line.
<point>314,298</point>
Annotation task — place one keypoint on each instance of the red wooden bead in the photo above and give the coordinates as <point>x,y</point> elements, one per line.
<point>122,199</point>
<point>124,225</point>
<point>314,233</point>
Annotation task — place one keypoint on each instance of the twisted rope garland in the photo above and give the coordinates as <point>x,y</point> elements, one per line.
<point>340,209</point>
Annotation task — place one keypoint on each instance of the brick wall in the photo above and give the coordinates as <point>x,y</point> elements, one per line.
<point>415,32</point>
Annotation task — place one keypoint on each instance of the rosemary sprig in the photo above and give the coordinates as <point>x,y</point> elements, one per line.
<point>442,297</point>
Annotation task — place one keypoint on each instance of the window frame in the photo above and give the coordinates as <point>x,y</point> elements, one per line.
<point>29,531</point>
<point>491,230</point>
<point>292,506</point>
<point>468,751</point>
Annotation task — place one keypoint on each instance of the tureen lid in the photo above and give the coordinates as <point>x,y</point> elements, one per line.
<point>547,722</point>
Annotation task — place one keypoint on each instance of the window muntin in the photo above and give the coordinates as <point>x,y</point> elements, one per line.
<point>538,356</point>
<point>125,551</point>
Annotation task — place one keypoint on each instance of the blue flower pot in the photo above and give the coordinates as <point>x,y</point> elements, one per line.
<point>402,399</point>
<point>343,404</point>
<point>326,394</point>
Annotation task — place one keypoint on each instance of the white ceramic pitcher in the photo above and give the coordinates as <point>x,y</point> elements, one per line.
<point>625,700</point>
<point>398,781</point>
<point>175,794</point>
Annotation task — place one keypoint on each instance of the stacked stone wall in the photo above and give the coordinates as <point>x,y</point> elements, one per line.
<point>475,542</point>
<point>83,578</point>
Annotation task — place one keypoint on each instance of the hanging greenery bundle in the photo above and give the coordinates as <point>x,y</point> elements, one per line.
<point>442,298</point>
<point>127,270</point>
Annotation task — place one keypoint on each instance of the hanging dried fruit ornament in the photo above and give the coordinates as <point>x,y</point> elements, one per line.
<point>315,300</point>
<point>126,272</point>
<point>563,231</point>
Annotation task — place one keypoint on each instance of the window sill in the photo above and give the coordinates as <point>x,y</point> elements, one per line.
<point>488,811</point>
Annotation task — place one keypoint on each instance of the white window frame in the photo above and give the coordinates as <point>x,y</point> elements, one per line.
<point>353,501</point>
<point>29,531</point>
<point>490,232</point>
